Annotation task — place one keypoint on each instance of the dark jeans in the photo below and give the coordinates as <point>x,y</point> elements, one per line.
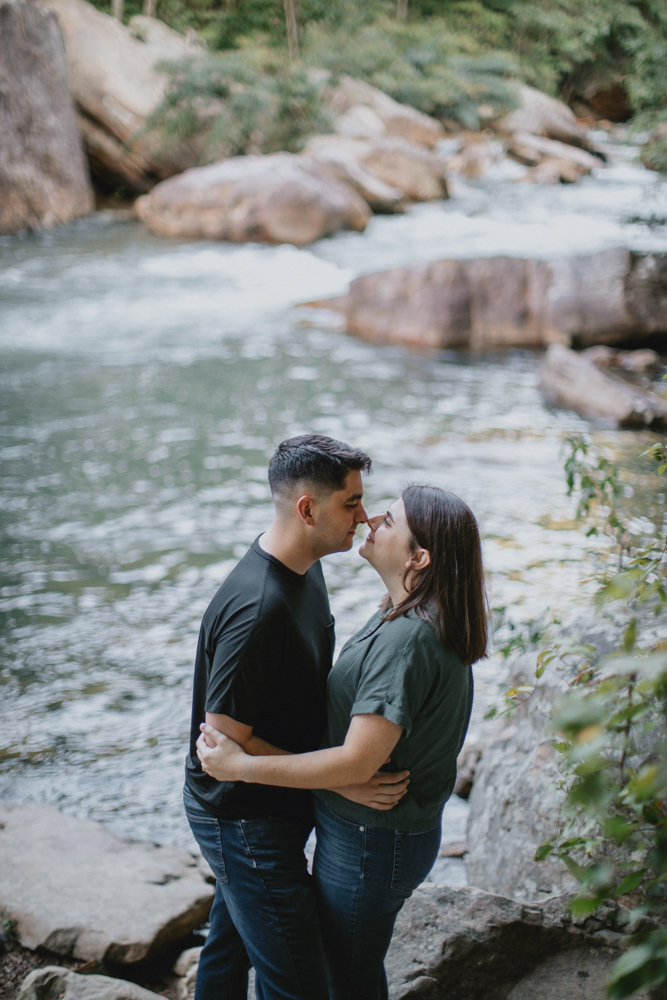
<point>264,912</point>
<point>364,874</point>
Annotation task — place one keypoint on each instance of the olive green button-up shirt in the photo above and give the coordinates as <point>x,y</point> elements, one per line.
<point>400,670</point>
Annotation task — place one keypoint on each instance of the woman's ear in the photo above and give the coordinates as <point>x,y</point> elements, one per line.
<point>419,560</point>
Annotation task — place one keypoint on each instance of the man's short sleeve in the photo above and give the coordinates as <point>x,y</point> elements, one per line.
<point>240,679</point>
<point>396,675</point>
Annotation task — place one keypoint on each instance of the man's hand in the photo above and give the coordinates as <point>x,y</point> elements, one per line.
<point>220,757</point>
<point>382,792</point>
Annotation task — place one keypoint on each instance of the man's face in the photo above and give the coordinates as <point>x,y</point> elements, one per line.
<point>337,515</point>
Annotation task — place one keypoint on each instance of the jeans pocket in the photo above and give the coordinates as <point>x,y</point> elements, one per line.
<point>414,856</point>
<point>206,831</point>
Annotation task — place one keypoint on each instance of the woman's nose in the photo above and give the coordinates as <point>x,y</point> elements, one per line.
<point>375,521</point>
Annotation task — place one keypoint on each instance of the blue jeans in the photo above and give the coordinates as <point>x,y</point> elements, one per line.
<point>264,911</point>
<point>364,874</point>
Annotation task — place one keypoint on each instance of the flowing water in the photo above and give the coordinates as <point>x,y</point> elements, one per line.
<point>144,385</point>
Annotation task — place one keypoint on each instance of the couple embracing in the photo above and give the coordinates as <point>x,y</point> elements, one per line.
<point>365,752</point>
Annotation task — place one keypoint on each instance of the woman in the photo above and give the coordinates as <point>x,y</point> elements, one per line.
<point>401,688</point>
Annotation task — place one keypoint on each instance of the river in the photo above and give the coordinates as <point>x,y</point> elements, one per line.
<point>144,385</point>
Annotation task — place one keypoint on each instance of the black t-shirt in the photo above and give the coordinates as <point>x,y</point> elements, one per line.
<point>265,651</point>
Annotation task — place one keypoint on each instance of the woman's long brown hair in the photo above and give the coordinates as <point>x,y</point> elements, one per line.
<point>450,591</point>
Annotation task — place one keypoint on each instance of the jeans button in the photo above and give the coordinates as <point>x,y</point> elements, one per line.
<point>361,828</point>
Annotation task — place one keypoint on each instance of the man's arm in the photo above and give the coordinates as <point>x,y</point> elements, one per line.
<point>369,741</point>
<point>242,735</point>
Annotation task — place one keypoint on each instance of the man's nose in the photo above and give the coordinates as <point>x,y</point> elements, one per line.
<point>360,516</point>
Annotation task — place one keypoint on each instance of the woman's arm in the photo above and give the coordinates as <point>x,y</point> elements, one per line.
<point>368,743</point>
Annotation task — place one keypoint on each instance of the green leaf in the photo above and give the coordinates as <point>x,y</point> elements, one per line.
<point>543,851</point>
<point>630,882</point>
<point>581,906</point>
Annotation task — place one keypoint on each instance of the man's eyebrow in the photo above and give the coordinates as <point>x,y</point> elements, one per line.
<point>354,496</point>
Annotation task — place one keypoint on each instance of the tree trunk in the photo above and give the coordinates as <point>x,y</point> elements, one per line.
<point>402,10</point>
<point>43,176</point>
<point>150,8</point>
<point>292,31</point>
<point>117,9</point>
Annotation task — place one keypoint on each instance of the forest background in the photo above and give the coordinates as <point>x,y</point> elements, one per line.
<point>455,59</point>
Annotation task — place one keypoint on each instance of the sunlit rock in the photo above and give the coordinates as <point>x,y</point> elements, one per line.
<point>116,88</point>
<point>403,165</point>
<point>281,198</point>
<point>573,381</point>
<point>338,156</point>
<point>71,887</point>
<point>43,177</point>
<point>543,115</point>
<point>352,99</point>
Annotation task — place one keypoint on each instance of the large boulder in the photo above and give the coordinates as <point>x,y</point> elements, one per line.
<point>364,111</point>
<point>510,302</point>
<point>464,943</point>
<point>43,177</point>
<point>116,89</point>
<point>543,115</point>
<point>71,887</point>
<point>403,165</point>
<point>280,198</point>
<point>573,381</point>
<point>53,981</point>
<point>334,155</point>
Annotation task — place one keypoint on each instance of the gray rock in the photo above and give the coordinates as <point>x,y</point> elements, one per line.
<point>573,975</point>
<point>573,381</point>
<point>464,943</point>
<point>509,302</point>
<point>43,176</point>
<point>75,889</point>
<point>53,981</point>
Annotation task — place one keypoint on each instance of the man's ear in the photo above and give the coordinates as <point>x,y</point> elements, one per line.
<point>305,506</point>
<point>419,560</point>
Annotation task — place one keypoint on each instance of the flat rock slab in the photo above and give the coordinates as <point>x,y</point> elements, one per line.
<point>75,889</point>
<point>53,981</point>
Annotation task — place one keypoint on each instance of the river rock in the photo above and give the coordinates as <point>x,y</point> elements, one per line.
<point>553,171</point>
<point>280,198</point>
<point>165,43</point>
<point>336,158</point>
<point>116,88</point>
<point>73,888</point>
<point>505,301</point>
<point>476,157</point>
<point>53,981</point>
<point>530,149</point>
<point>573,381</point>
<point>404,166</point>
<point>43,176</point>
<point>364,111</point>
<point>464,943</point>
<point>543,115</point>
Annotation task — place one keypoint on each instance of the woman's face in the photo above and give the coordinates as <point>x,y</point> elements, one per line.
<point>388,544</point>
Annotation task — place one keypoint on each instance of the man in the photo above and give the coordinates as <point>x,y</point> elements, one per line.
<point>265,651</point>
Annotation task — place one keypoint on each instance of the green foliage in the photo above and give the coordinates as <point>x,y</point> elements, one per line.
<point>612,740</point>
<point>444,72</point>
<point>654,153</point>
<point>240,102</point>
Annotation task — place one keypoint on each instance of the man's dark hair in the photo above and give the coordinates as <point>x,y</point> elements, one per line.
<point>315,459</point>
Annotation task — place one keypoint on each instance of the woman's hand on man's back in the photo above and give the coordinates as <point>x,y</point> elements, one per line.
<point>382,792</point>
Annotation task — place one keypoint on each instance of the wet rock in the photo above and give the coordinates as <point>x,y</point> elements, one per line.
<point>280,198</point>
<point>364,111</point>
<point>505,301</point>
<point>630,361</point>
<point>43,176</point>
<point>476,157</point>
<point>116,88</point>
<point>334,154</point>
<point>464,943</point>
<point>53,981</point>
<point>551,171</point>
<point>532,149</point>
<point>543,115</point>
<point>73,888</point>
<point>572,381</point>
